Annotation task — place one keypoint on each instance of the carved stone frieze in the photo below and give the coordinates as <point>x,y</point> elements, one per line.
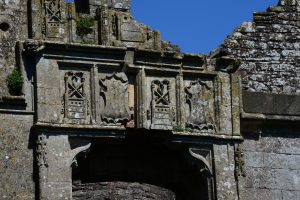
<point>75,97</point>
<point>162,113</point>
<point>41,152</point>
<point>114,93</point>
<point>199,111</point>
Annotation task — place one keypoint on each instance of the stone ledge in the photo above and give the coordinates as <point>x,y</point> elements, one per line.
<point>13,103</point>
<point>269,105</point>
<point>259,116</point>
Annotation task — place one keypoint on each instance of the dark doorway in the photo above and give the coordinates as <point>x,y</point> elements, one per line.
<point>137,170</point>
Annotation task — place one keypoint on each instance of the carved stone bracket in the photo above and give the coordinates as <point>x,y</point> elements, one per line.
<point>33,47</point>
<point>204,164</point>
<point>203,156</point>
<point>84,146</point>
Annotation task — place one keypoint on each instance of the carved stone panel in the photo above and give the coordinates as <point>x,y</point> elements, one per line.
<point>53,27</point>
<point>114,98</point>
<point>130,30</point>
<point>161,114</point>
<point>76,97</point>
<point>199,106</point>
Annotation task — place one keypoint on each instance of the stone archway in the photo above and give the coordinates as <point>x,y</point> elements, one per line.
<point>140,170</point>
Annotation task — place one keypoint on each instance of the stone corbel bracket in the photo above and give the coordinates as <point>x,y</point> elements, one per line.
<point>33,47</point>
<point>223,61</point>
<point>73,153</point>
<point>203,156</point>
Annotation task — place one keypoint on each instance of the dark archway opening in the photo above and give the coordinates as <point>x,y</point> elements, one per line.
<point>120,171</point>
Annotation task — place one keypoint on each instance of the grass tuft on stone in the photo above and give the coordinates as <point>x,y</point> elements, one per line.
<point>15,83</point>
<point>84,26</point>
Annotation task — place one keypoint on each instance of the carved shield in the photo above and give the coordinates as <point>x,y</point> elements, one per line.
<point>114,91</point>
<point>198,108</point>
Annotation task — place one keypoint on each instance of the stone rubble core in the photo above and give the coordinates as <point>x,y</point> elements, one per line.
<point>110,111</point>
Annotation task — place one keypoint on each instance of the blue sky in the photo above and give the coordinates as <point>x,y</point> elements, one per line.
<point>197,26</point>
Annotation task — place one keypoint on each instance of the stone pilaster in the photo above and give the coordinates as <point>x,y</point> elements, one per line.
<point>225,172</point>
<point>54,159</point>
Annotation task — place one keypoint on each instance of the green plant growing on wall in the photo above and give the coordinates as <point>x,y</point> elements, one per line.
<point>84,26</point>
<point>178,128</point>
<point>15,82</point>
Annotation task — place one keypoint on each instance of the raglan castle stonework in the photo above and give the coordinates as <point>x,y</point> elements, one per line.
<point>95,105</point>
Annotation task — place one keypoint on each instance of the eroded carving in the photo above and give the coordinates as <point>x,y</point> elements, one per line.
<point>198,111</point>
<point>162,114</point>
<point>52,18</point>
<point>41,152</point>
<point>239,162</point>
<point>204,156</point>
<point>83,147</point>
<point>114,92</point>
<point>75,97</point>
<point>32,47</point>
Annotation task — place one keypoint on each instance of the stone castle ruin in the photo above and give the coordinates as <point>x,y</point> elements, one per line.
<point>94,105</point>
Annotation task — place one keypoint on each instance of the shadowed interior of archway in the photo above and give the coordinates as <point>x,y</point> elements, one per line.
<point>137,170</point>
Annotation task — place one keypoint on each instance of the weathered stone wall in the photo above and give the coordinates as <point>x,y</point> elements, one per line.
<point>269,48</point>
<point>16,157</point>
<point>13,27</point>
<point>120,190</point>
<point>273,168</point>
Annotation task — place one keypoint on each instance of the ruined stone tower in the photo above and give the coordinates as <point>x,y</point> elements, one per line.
<point>94,105</point>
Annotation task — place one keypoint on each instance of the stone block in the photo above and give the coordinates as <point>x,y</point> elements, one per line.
<point>254,159</point>
<point>260,178</point>
<point>286,179</point>
<point>283,145</point>
<point>281,161</point>
<point>262,194</point>
<point>16,185</point>
<point>273,104</point>
<point>289,195</point>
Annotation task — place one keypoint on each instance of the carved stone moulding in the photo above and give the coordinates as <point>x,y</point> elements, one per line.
<point>41,153</point>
